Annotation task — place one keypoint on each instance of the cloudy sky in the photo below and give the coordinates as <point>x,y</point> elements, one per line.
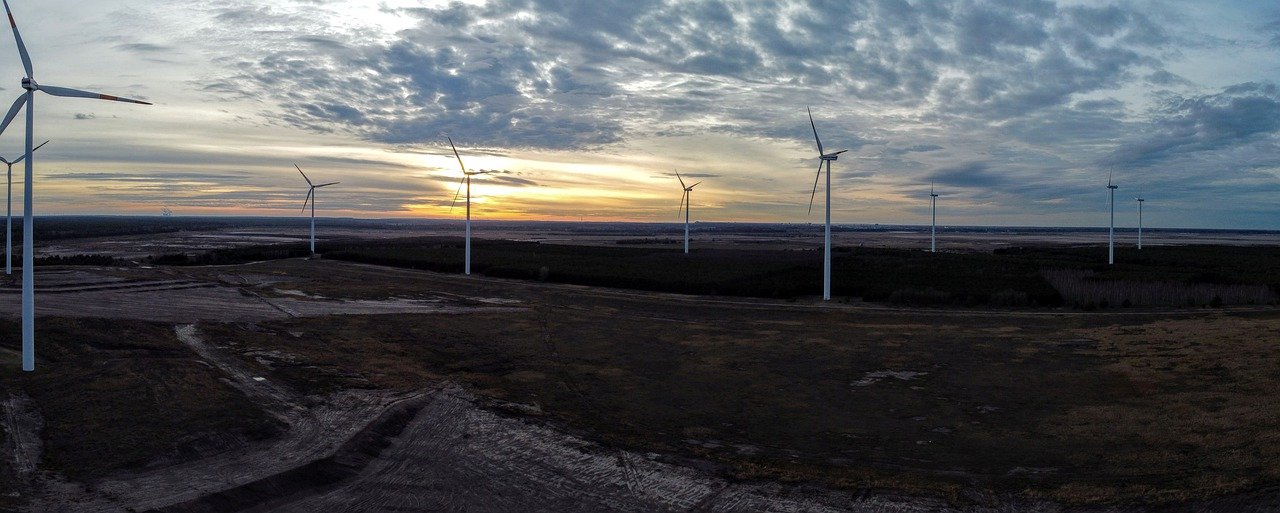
<point>583,109</point>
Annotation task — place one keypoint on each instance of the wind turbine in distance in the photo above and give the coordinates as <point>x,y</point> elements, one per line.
<point>28,225</point>
<point>311,197</point>
<point>1111,231</point>
<point>684,202</point>
<point>8,216</point>
<point>1140,201</point>
<point>933,229</point>
<point>828,158</point>
<point>466,179</point>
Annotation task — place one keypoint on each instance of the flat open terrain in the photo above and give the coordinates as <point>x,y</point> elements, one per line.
<point>628,400</point>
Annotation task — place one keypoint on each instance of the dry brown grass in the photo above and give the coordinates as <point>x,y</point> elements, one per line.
<point>1078,287</point>
<point>1194,414</point>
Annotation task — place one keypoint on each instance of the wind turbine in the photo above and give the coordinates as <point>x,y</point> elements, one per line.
<point>466,179</point>
<point>1111,231</point>
<point>28,225</point>
<point>1140,201</point>
<point>311,197</point>
<point>933,229</point>
<point>8,216</point>
<point>828,158</point>
<point>684,202</point>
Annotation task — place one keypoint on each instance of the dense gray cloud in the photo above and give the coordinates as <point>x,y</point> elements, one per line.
<point>917,148</point>
<point>1273,29</point>
<point>1239,115</point>
<point>172,176</point>
<point>1000,102</point>
<point>562,74</point>
<point>972,174</point>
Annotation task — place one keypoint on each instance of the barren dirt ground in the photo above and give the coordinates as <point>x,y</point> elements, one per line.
<point>139,246</point>
<point>453,453</point>
<point>316,427</point>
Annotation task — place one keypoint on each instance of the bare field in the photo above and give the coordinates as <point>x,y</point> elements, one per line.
<point>574,398</point>
<point>704,235</point>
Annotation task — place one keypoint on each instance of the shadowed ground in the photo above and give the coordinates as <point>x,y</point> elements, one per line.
<point>856,403</point>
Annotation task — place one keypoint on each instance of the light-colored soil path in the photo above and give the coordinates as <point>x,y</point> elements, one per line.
<point>22,425</point>
<point>316,427</point>
<point>455,456</point>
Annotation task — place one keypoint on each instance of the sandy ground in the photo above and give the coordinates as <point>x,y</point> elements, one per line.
<point>456,457</point>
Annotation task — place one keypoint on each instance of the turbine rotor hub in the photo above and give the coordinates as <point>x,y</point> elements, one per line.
<point>29,84</point>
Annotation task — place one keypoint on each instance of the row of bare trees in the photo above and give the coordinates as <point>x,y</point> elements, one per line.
<point>1081,287</point>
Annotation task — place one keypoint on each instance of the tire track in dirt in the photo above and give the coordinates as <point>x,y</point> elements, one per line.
<point>22,425</point>
<point>316,428</point>
<point>457,456</point>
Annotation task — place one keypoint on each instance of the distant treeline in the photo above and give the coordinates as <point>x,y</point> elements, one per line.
<point>78,227</point>
<point>1014,277</point>
<point>230,256</point>
<point>1198,275</point>
<point>96,260</point>
<point>909,277</point>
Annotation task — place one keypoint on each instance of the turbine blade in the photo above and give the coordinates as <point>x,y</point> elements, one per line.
<point>815,187</point>
<point>457,192</point>
<point>815,130</point>
<point>76,93</point>
<point>839,152</point>
<point>22,48</point>
<point>681,179</point>
<point>680,209</point>
<point>304,202</point>
<point>931,187</point>
<point>455,154</point>
<point>327,184</point>
<point>1109,173</point>
<point>304,176</point>
<point>24,155</point>
<point>694,185</point>
<point>13,112</point>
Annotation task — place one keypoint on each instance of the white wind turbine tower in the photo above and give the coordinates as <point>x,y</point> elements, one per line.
<point>828,158</point>
<point>8,216</point>
<point>28,225</point>
<point>466,180</point>
<point>933,229</point>
<point>311,197</point>
<point>1140,201</point>
<point>1111,231</point>
<point>684,202</point>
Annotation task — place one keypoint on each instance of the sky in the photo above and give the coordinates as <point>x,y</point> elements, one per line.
<point>1015,111</point>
